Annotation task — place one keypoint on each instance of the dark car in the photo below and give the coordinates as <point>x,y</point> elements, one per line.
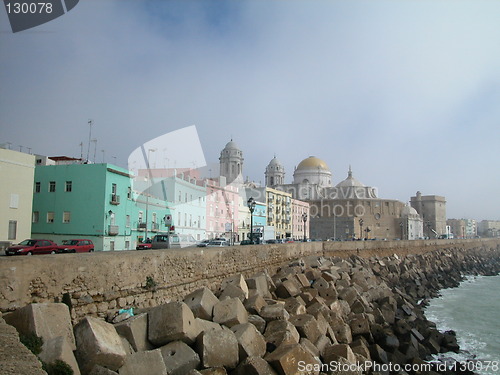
<point>32,246</point>
<point>146,245</point>
<point>76,246</point>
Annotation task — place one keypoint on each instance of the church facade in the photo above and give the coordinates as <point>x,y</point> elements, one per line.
<point>347,210</point>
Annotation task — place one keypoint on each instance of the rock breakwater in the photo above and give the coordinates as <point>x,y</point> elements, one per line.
<point>316,315</point>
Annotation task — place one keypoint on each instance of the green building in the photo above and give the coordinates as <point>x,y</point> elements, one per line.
<point>93,201</point>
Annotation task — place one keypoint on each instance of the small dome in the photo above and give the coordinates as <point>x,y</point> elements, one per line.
<point>408,210</point>
<point>231,145</point>
<point>274,163</point>
<point>312,162</point>
<point>350,181</point>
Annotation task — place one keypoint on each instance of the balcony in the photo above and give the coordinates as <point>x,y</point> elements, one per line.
<point>113,230</point>
<point>155,227</point>
<point>115,199</point>
<point>141,226</point>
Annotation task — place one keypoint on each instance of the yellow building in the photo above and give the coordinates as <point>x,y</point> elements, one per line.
<point>17,171</point>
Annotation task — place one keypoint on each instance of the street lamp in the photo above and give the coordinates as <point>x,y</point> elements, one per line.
<point>304,219</point>
<point>360,229</point>
<point>251,207</point>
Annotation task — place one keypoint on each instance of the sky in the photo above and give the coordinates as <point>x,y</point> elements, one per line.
<point>406,92</point>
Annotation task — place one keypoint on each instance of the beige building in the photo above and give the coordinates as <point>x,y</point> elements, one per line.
<point>17,171</point>
<point>489,228</point>
<point>432,209</point>
<point>457,227</point>
<point>300,209</point>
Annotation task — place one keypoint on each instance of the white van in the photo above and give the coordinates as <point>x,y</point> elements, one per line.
<point>172,241</point>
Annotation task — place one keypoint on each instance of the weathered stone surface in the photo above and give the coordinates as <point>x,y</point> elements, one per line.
<point>238,281</point>
<point>218,348</point>
<point>275,311</point>
<point>307,326</point>
<point>207,325</point>
<point>170,322</point>
<point>286,360</point>
<point>233,291</point>
<point>254,303</point>
<point>288,288</point>
<point>281,332</point>
<point>46,320</point>
<point>58,348</point>
<point>254,366</point>
<point>258,322</point>
<point>250,341</point>
<point>100,370</point>
<point>135,330</point>
<point>334,352</point>
<point>201,302</point>
<point>150,362</point>
<point>230,312</point>
<point>259,283</point>
<point>179,358</point>
<point>98,343</point>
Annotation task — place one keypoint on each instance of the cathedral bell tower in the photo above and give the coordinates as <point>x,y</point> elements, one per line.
<point>231,163</point>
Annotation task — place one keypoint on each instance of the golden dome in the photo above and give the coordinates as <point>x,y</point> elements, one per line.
<point>312,162</point>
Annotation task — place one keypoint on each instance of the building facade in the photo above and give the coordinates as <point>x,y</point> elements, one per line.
<point>222,209</point>
<point>300,210</point>
<point>432,209</point>
<point>16,196</point>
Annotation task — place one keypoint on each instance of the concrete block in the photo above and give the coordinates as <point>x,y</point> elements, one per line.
<point>150,361</point>
<point>281,332</point>
<point>230,312</point>
<point>286,360</point>
<point>98,343</point>
<point>135,330</point>
<point>213,371</point>
<point>254,366</point>
<point>170,322</point>
<point>46,320</point>
<point>303,280</point>
<point>307,326</point>
<point>288,288</point>
<point>250,341</point>
<point>218,348</point>
<point>233,291</point>
<point>334,352</point>
<point>275,311</point>
<point>201,302</point>
<point>295,305</point>
<point>236,280</point>
<point>179,358</point>
<point>207,325</point>
<point>260,284</point>
<point>360,324</point>
<point>254,303</point>
<point>100,370</point>
<point>58,348</point>
<point>258,322</point>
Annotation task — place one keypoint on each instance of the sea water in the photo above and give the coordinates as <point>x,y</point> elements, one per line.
<point>472,310</point>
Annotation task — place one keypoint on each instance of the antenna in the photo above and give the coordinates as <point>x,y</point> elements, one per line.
<point>102,155</point>
<point>95,146</point>
<point>90,136</point>
<point>81,150</point>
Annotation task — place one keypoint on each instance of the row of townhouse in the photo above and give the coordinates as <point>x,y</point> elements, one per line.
<point>61,198</point>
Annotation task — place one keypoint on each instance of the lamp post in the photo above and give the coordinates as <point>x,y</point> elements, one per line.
<point>251,207</point>
<point>360,229</point>
<point>304,219</point>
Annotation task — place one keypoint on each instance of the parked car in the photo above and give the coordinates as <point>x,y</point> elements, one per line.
<point>203,243</point>
<point>76,246</point>
<point>246,242</point>
<point>217,243</point>
<point>32,246</point>
<point>146,245</point>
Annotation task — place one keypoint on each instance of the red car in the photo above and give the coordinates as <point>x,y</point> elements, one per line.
<point>146,245</point>
<point>76,246</point>
<point>32,246</point>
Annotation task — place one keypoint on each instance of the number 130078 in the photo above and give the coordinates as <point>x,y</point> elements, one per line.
<point>28,8</point>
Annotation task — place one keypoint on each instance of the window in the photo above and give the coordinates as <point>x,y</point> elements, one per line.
<point>35,217</point>
<point>129,193</point>
<point>113,189</point>
<point>66,217</point>
<point>14,201</point>
<point>140,217</point>
<point>12,229</point>
<point>127,221</point>
<point>69,186</point>
<point>37,187</point>
<point>50,217</point>
<point>52,187</point>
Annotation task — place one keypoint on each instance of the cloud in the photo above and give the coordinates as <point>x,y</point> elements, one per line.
<point>403,91</point>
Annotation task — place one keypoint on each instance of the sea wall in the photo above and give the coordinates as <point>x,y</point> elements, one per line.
<point>101,283</point>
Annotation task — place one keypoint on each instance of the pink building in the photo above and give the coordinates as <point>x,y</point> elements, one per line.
<point>222,209</point>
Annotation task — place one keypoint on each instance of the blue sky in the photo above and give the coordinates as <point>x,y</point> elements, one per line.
<point>406,92</point>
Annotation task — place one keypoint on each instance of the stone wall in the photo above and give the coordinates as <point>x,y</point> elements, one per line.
<point>101,283</point>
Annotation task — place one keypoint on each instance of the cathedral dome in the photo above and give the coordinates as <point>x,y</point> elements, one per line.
<point>231,145</point>
<point>312,162</point>
<point>350,181</point>
<point>408,211</point>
